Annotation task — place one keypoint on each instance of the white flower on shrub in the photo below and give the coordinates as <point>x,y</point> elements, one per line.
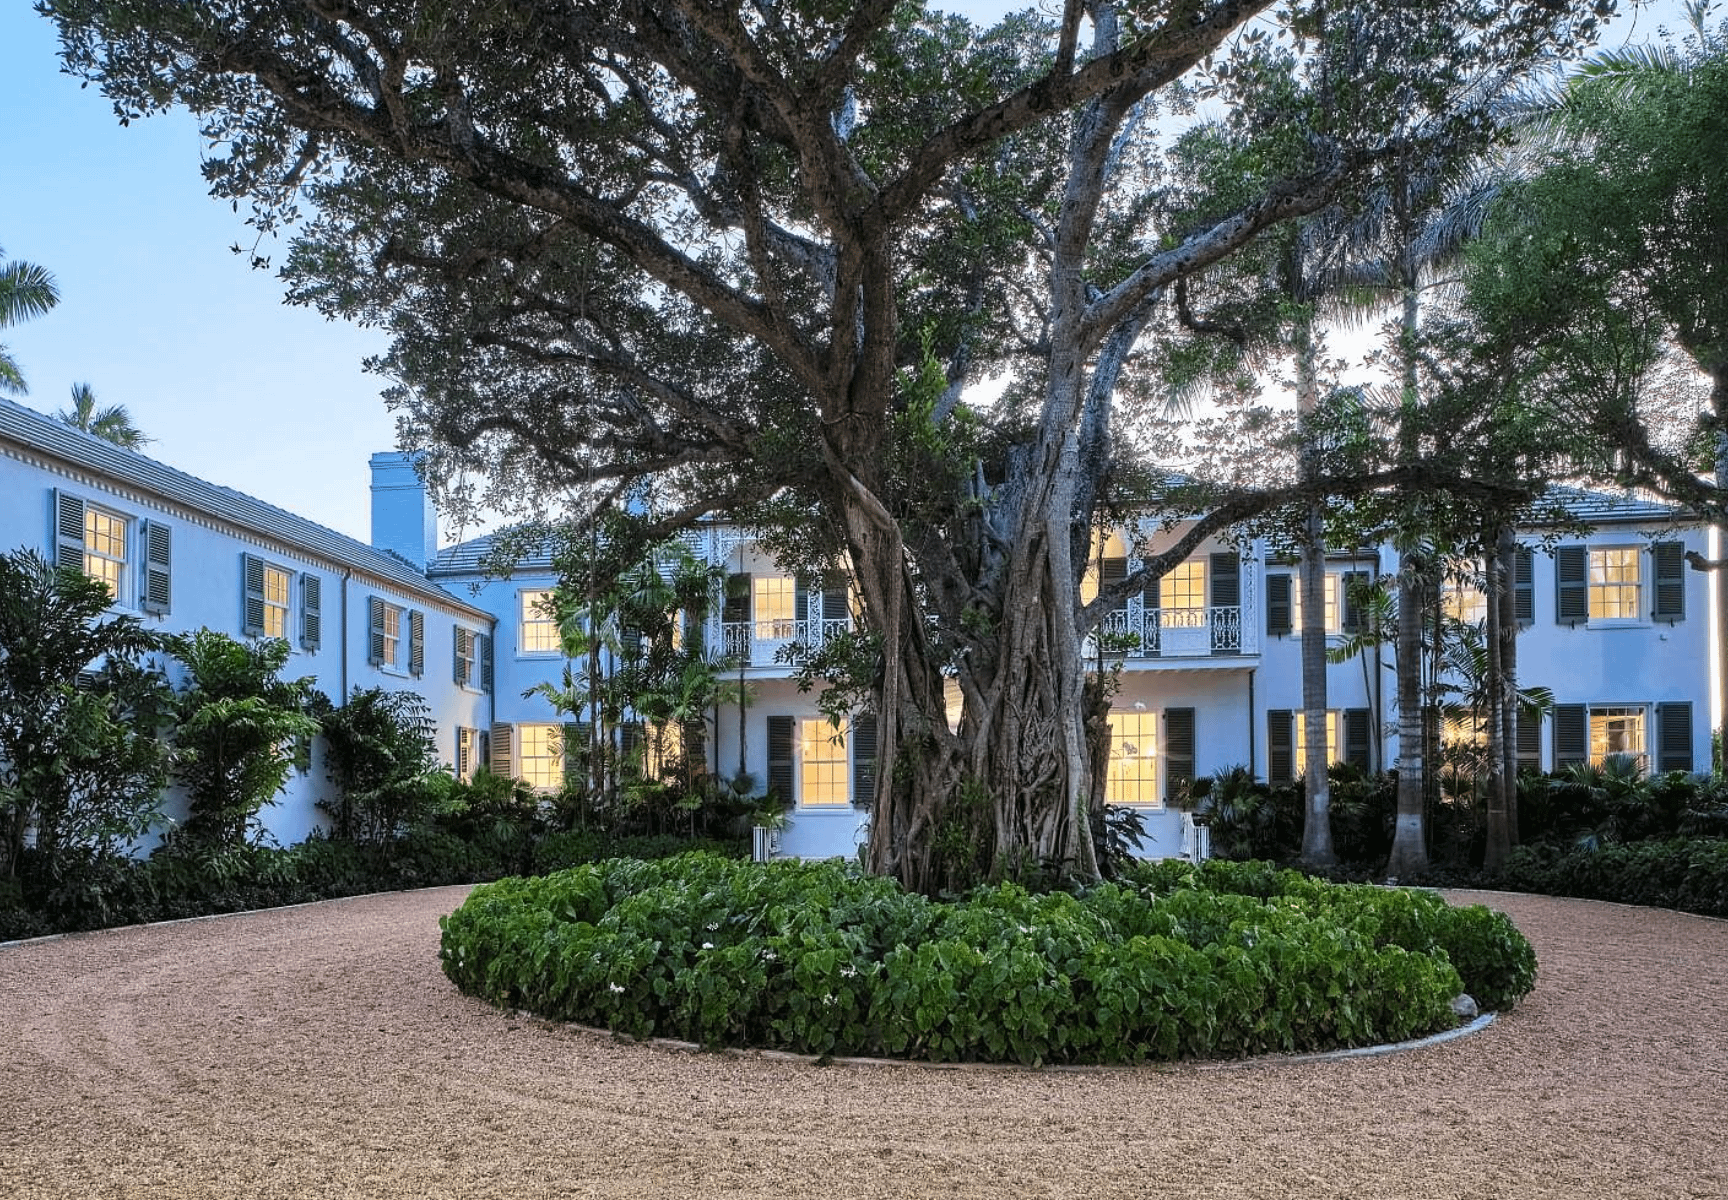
<point>828,999</point>
<point>616,989</point>
<point>848,971</point>
<point>708,945</point>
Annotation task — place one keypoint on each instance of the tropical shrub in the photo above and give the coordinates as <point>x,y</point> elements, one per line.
<point>240,728</point>
<point>817,958</point>
<point>81,767</point>
<point>1689,874</point>
<point>381,752</point>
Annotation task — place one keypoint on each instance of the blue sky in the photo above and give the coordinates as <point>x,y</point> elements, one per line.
<point>158,314</point>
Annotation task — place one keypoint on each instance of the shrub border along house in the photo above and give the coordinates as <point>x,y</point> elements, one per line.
<point>1174,962</point>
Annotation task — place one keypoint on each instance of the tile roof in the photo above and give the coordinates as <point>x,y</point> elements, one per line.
<point>1594,507</point>
<point>30,428</point>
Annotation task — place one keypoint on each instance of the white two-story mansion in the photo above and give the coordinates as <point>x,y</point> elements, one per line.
<point>1611,621</point>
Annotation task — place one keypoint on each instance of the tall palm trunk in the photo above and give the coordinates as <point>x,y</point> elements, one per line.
<point>1409,855</point>
<point>1317,850</point>
<point>1507,550</point>
<point>1498,840</point>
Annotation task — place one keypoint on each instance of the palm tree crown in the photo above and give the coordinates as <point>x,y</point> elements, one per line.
<point>111,424</point>
<point>26,290</point>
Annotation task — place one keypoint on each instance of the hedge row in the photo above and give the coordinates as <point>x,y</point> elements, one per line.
<point>102,892</point>
<point>816,958</point>
<point>1689,874</point>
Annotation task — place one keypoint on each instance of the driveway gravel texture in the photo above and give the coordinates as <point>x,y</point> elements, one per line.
<point>320,1052</point>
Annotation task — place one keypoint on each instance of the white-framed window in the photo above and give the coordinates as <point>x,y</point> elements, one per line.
<point>1464,729</point>
<point>1462,599</point>
<point>1618,729</point>
<point>1334,739</point>
<point>1332,588</point>
<point>772,602</point>
<point>392,657</point>
<point>105,538</point>
<point>538,633</point>
<point>463,666</point>
<point>1132,776</point>
<point>1182,595</point>
<point>1615,583</point>
<point>822,768</point>
<point>540,756</point>
<point>278,585</point>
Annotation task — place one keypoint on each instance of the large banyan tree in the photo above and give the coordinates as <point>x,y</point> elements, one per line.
<point>756,248</point>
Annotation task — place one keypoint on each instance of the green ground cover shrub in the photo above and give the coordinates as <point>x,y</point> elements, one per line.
<point>814,957</point>
<point>1689,874</point>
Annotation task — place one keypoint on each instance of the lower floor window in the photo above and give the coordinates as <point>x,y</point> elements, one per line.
<point>1333,741</point>
<point>540,756</point>
<point>1133,771</point>
<point>1617,731</point>
<point>822,763</point>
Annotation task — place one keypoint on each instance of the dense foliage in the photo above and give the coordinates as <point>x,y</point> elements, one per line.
<point>239,729</point>
<point>81,768</point>
<point>381,752</point>
<point>814,957</point>
<point>1689,874</point>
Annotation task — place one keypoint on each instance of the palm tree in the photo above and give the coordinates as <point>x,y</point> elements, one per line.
<point>26,291</point>
<point>111,424</point>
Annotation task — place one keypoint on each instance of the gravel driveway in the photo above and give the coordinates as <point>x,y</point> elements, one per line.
<point>318,1052</point>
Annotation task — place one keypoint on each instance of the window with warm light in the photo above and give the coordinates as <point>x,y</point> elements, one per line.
<point>105,548</point>
<point>771,606</point>
<point>540,756</point>
<point>1133,771</point>
<point>1617,731</point>
<point>1463,601</point>
<point>1182,595</point>
<point>1614,583</point>
<point>539,624</point>
<point>1333,739</point>
<point>393,638</point>
<point>822,778</point>
<point>1332,588</point>
<point>276,585</point>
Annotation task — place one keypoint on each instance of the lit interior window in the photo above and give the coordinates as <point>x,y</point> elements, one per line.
<point>539,626</point>
<point>771,599</point>
<point>1614,583</point>
<point>1333,741</point>
<point>1616,731</point>
<point>822,763</point>
<point>1332,588</point>
<point>1133,771</point>
<point>276,584</point>
<point>540,756</point>
<point>105,548</point>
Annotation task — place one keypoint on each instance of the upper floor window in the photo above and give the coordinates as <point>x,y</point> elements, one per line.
<point>1614,583</point>
<point>397,637</point>
<point>1463,600</point>
<point>539,624</point>
<point>392,626</point>
<point>463,672</point>
<point>105,548</point>
<point>265,598</point>
<point>772,603</point>
<point>1183,593</point>
<point>1331,589</point>
<point>1333,740</point>
<point>276,585</point>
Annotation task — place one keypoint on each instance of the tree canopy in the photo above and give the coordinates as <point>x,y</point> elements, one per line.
<point>756,251</point>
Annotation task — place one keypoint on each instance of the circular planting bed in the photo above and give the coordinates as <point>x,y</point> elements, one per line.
<point>1172,962</point>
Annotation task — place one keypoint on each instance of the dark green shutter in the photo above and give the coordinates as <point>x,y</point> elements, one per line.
<point>800,599</point>
<point>835,599</point>
<point>1279,617</point>
<point>1151,601</point>
<point>375,631</point>
<point>1280,746</point>
<point>1178,751</point>
<point>461,654</point>
<point>156,591</point>
<point>1571,735</point>
<point>573,743</point>
<point>1352,584</point>
<point>68,531</point>
<point>1112,571</point>
<point>1524,585</point>
<point>1674,736</point>
<point>1571,585</point>
<point>864,758</point>
<point>311,611</point>
<point>483,643</point>
<point>1226,592</point>
<point>1358,737</point>
<point>736,606</point>
<point>252,596</point>
<point>1529,742</point>
<point>502,751</point>
<point>1669,560</point>
<point>416,643</point>
<point>780,758</point>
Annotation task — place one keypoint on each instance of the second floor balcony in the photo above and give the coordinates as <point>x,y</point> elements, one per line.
<point>1138,633</point>
<point>767,643</point>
